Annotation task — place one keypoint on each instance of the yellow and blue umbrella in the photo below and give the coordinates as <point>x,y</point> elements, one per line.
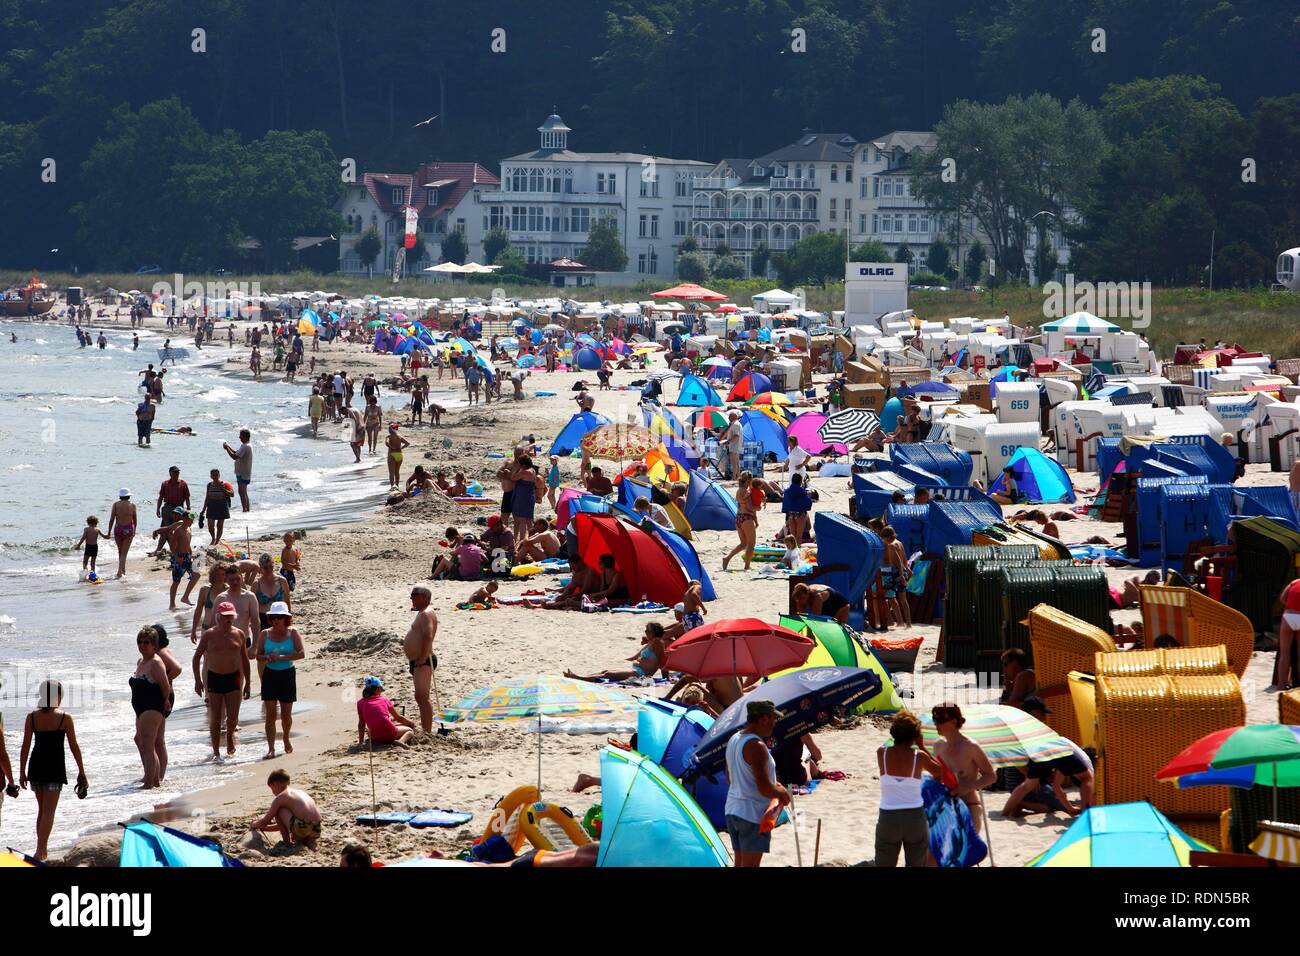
<point>535,696</point>
<point>1008,736</point>
<point>1121,834</point>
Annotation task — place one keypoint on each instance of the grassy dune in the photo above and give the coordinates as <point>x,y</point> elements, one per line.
<point>1269,322</point>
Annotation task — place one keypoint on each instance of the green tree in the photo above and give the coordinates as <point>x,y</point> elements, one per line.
<point>727,267</point>
<point>689,245</point>
<point>903,253</point>
<point>939,259</point>
<point>692,267</point>
<point>495,240</point>
<point>722,250</point>
<point>455,248</point>
<point>818,258</point>
<point>368,247</point>
<point>873,250</point>
<point>1002,163</point>
<point>511,262</point>
<point>759,259</point>
<point>603,251</point>
<point>288,185</point>
<point>975,262</point>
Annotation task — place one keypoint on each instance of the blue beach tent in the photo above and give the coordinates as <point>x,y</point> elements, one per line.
<point>668,734</point>
<point>709,506</point>
<point>1039,479</point>
<point>566,442</point>
<point>697,392</point>
<point>147,844</point>
<point>766,430</point>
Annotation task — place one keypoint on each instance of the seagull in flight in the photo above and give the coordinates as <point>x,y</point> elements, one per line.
<point>426,122</point>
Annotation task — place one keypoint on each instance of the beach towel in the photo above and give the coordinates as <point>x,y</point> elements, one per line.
<point>953,840</point>
<point>646,607</point>
<point>920,572</point>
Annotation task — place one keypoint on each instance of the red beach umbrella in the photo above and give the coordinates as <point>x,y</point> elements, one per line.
<point>738,647</point>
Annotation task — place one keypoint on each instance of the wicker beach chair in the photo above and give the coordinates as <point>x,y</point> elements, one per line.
<point>1195,620</point>
<point>1170,662</point>
<point>1063,643</point>
<point>1144,722</point>
<point>1288,707</point>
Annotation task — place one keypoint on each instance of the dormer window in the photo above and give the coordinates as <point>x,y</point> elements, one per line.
<point>808,140</point>
<point>399,195</point>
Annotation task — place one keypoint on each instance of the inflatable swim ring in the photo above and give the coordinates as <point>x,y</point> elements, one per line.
<point>530,825</point>
<point>525,570</point>
<point>506,810</point>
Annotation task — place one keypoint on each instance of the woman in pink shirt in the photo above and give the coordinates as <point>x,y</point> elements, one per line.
<point>376,714</point>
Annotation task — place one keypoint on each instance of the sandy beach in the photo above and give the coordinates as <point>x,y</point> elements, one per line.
<point>352,609</point>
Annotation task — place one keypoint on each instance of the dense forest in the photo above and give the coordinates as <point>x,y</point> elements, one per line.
<point>141,90</point>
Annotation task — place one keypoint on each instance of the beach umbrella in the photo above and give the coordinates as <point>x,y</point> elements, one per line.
<point>728,307</point>
<point>18,860</point>
<point>931,388</point>
<point>738,647</point>
<point>375,323</point>
<point>1008,736</point>
<point>1081,323</point>
<point>709,417</point>
<point>805,700</point>
<point>804,428</point>
<point>619,442</point>
<point>748,386</point>
<point>770,398</point>
<point>1267,754</point>
<point>849,425</point>
<point>535,696</point>
<point>1121,834</point>
<point>648,819</point>
<point>719,361</point>
<point>672,327</point>
<point>690,292</point>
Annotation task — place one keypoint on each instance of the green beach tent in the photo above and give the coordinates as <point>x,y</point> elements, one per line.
<point>836,647</point>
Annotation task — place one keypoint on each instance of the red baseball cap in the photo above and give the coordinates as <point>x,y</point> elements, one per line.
<point>226,609</point>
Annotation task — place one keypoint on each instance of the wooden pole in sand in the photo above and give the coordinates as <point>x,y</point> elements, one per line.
<point>374,804</point>
<point>817,847</point>
<point>988,837</point>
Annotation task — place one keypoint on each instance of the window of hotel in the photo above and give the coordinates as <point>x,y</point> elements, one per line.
<point>862,222</point>
<point>848,209</point>
<point>495,217</point>
<point>535,219</point>
<point>798,170</point>
<point>833,210</point>
<point>875,222</point>
<point>679,227</point>
<point>600,182</point>
<point>925,223</point>
<point>898,222</point>
<point>654,262</point>
<point>848,173</point>
<point>518,218</point>
<point>536,181</point>
<point>399,195</point>
<point>643,233</point>
<point>390,227</point>
<point>911,222</point>
<point>580,219</point>
<point>519,180</point>
<point>903,187</point>
<point>886,224</point>
<point>835,173</point>
<point>887,189</point>
<point>654,228</point>
<point>650,187</point>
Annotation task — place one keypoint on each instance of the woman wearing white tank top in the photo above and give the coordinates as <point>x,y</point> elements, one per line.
<point>902,824</point>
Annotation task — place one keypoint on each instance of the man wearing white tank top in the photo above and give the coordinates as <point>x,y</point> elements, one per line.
<point>751,775</point>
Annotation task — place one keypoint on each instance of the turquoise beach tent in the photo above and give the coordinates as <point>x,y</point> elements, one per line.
<point>709,506</point>
<point>697,392</point>
<point>765,430</point>
<point>147,844</point>
<point>668,733</point>
<point>1039,479</point>
<point>566,442</point>
<point>647,819</point>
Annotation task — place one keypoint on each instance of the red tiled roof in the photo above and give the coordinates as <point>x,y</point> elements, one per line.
<point>461,177</point>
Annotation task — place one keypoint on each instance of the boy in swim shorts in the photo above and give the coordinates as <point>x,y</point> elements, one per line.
<point>177,536</point>
<point>90,536</point>
<point>290,560</point>
<point>293,812</point>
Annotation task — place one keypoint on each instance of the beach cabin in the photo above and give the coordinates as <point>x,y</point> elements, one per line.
<point>1288,269</point>
<point>1079,424</point>
<point>1017,402</point>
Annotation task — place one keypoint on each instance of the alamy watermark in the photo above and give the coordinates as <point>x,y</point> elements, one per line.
<point>179,291</point>
<point>1106,300</point>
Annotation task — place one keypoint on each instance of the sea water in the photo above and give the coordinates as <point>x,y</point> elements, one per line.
<point>67,444</point>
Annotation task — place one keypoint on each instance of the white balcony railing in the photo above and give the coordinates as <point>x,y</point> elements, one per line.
<point>714,182</point>
<point>788,183</point>
<point>802,215</point>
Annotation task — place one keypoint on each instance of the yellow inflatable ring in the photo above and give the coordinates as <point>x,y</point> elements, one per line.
<point>505,810</point>
<point>530,820</point>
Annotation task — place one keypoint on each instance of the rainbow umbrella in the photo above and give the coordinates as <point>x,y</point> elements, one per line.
<point>770,398</point>
<point>1121,834</point>
<point>619,442</point>
<point>1008,736</point>
<point>710,417</point>
<point>1266,754</point>
<point>535,696</point>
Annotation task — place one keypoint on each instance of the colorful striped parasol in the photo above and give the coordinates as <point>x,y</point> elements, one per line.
<point>1008,736</point>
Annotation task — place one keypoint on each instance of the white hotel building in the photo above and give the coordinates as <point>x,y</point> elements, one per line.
<point>549,198</point>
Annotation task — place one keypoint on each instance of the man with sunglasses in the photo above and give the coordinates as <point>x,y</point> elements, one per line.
<point>420,659</point>
<point>963,757</point>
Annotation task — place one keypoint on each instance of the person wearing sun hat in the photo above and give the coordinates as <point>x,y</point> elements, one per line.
<point>122,522</point>
<point>395,443</point>
<point>218,664</point>
<point>276,648</point>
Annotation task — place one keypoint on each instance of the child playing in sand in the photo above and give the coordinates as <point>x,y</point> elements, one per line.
<point>486,595</point>
<point>290,560</point>
<point>89,539</point>
<point>376,714</point>
<point>293,812</point>
<point>791,557</point>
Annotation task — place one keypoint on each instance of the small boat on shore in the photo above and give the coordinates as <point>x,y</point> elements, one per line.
<point>31,299</point>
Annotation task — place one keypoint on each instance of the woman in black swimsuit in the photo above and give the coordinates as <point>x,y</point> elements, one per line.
<point>174,671</point>
<point>613,588</point>
<point>820,600</point>
<point>150,691</point>
<point>47,728</point>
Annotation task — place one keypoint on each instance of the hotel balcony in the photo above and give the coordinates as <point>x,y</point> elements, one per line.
<point>802,215</point>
